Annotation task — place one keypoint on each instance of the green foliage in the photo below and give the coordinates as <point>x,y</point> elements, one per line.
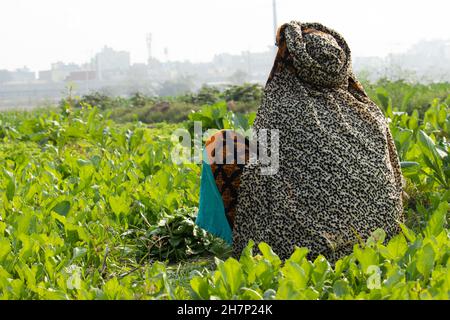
<point>81,200</point>
<point>139,100</point>
<point>246,93</point>
<point>98,99</point>
<point>176,237</point>
<point>206,95</point>
<point>218,116</point>
<point>391,96</point>
<point>407,97</point>
<point>401,269</point>
<point>93,209</point>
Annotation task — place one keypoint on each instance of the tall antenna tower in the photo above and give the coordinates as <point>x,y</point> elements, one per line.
<point>149,47</point>
<point>166,53</point>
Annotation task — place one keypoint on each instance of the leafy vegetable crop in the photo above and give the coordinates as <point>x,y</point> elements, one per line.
<point>93,209</point>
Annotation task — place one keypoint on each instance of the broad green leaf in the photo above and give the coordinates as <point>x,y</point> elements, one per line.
<point>366,257</point>
<point>5,248</point>
<point>409,168</point>
<point>429,149</point>
<point>78,253</point>
<point>298,255</point>
<point>414,120</point>
<point>200,287</point>
<point>396,248</point>
<point>246,258</point>
<point>232,275</point>
<point>436,223</point>
<point>394,277</point>
<point>268,253</point>
<point>292,271</point>
<point>341,288</point>
<point>119,204</point>
<point>341,265</point>
<point>425,260</point>
<point>62,208</point>
<point>287,291</point>
<point>10,185</point>
<point>112,289</point>
<point>262,271</point>
<point>377,237</point>
<point>409,234</point>
<point>251,294</point>
<point>321,271</point>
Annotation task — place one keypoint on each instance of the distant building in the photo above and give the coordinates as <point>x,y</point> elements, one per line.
<point>45,75</point>
<point>110,71</point>
<point>111,64</point>
<point>22,75</point>
<point>59,72</point>
<point>86,75</point>
<point>5,76</point>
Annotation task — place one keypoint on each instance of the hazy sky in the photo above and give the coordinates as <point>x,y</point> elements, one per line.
<point>36,33</point>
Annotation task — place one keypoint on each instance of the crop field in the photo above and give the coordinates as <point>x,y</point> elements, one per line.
<point>93,207</point>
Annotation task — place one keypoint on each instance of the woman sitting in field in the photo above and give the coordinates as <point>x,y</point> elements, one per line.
<point>339,177</point>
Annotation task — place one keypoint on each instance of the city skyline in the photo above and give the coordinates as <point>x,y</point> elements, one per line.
<point>37,34</point>
<point>111,72</point>
<point>89,63</point>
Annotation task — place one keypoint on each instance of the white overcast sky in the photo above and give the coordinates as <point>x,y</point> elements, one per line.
<point>36,33</point>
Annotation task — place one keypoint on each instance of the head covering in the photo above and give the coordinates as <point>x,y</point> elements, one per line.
<point>339,176</point>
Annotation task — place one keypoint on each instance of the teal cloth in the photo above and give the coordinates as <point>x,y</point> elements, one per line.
<point>211,213</point>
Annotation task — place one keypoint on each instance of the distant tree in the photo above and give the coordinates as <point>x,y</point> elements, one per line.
<point>207,95</point>
<point>96,99</point>
<point>247,92</point>
<point>138,100</point>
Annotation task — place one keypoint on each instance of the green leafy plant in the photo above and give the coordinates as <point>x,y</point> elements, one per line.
<point>91,208</point>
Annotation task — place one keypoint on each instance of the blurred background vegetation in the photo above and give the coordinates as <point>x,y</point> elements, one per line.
<point>401,95</point>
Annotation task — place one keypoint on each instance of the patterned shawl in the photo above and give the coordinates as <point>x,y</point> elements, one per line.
<point>339,177</point>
